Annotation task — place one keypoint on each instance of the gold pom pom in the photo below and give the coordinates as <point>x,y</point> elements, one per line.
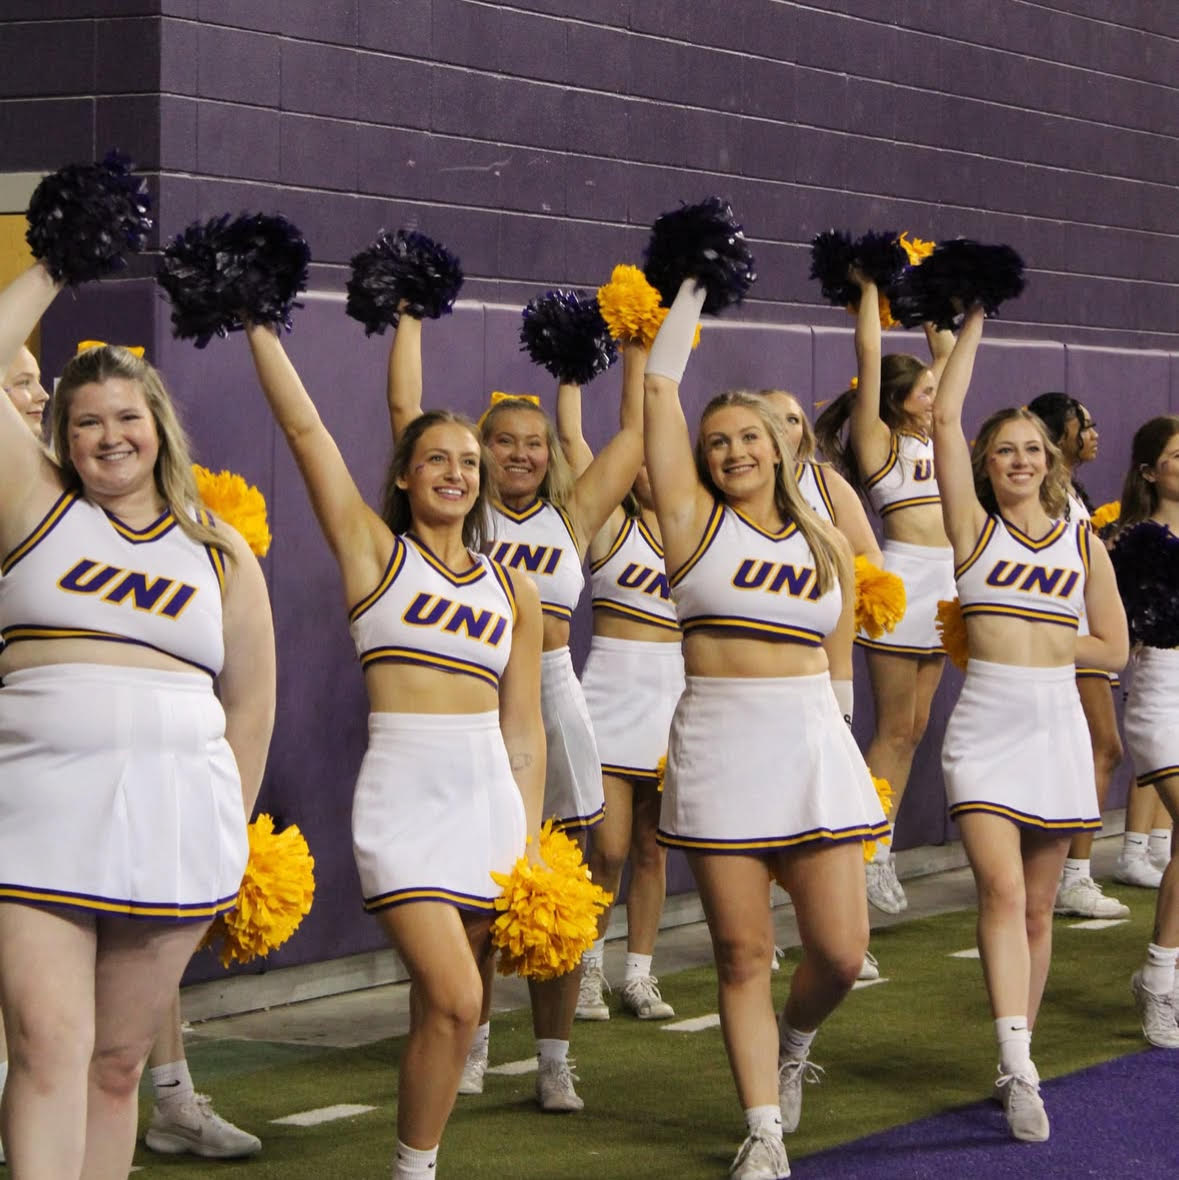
<point>1106,515</point>
<point>548,911</point>
<point>885,795</point>
<point>917,249</point>
<point>886,320</point>
<point>660,772</point>
<point>951,627</point>
<point>880,599</point>
<point>274,896</point>
<point>630,306</point>
<point>237,503</point>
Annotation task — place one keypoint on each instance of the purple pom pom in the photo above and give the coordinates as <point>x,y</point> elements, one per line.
<point>957,275</point>
<point>222,272</point>
<point>703,242</point>
<point>880,256</point>
<point>1146,560</point>
<point>85,217</point>
<point>404,267</point>
<point>563,332</point>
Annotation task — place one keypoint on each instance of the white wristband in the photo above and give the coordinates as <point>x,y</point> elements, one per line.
<point>844,697</point>
<point>673,342</point>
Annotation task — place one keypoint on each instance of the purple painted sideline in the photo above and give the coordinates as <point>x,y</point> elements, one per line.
<point>1114,1119</point>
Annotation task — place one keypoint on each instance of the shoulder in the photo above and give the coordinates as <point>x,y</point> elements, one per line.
<point>525,595</point>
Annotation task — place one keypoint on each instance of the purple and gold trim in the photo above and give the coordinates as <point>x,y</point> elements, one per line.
<point>168,911</point>
<point>158,528</point>
<point>579,822</point>
<point>476,573</point>
<point>462,901</point>
<point>633,612</point>
<point>858,833</point>
<point>396,561</point>
<point>711,528</point>
<point>754,629</point>
<point>428,659</point>
<point>47,524</point>
<point>19,632</point>
<point>975,610</point>
<point>1025,819</point>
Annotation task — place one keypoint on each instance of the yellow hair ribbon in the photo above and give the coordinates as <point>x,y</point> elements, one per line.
<point>87,345</point>
<point>497,396</point>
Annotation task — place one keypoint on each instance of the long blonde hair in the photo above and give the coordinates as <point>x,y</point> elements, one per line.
<point>173,470</point>
<point>1054,489</point>
<point>559,480</point>
<point>788,499</point>
<point>806,444</point>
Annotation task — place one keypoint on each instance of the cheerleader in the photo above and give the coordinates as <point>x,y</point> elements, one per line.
<point>891,460</point>
<point>634,671</point>
<point>1016,758</point>
<point>1146,557</point>
<point>542,523</point>
<point>450,785</point>
<point>763,776</point>
<point>1065,419</point>
<point>124,826</point>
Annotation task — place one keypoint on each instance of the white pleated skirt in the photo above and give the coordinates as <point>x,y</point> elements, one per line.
<point>573,797</point>
<point>1151,718</point>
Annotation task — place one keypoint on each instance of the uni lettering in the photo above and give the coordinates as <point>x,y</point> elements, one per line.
<point>922,470</point>
<point>160,596</point>
<point>1033,579</point>
<point>645,580</point>
<point>535,559</point>
<point>775,577</point>
<point>456,618</point>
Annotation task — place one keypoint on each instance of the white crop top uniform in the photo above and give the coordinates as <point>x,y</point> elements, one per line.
<point>745,581</point>
<point>84,574</point>
<point>812,483</point>
<point>1076,508</point>
<point>539,541</point>
<point>1009,574</point>
<point>631,580</point>
<point>421,612</point>
<point>906,480</point>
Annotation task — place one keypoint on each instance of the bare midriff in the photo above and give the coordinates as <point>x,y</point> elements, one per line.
<point>710,653</point>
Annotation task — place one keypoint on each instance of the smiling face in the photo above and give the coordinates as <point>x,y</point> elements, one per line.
<point>738,451</point>
<point>441,479</point>
<point>518,442</point>
<point>112,439</point>
<point>918,403</point>
<point>1017,461</point>
<point>22,383</point>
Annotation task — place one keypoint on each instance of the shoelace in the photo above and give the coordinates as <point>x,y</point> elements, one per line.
<point>1012,1082</point>
<point>809,1071</point>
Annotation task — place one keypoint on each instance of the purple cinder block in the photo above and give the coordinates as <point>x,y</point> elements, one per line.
<point>400,28</point>
<point>47,133</point>
<point>318,153</point>
<point>319,79</point>
<point>598,12</point>
<point>701,24</point>
<point>463,102</point>
<point>179,54</point>
<point>132,124</point>
<point>178,132</point>
<point>312,20</point>
<point>602,58</point>
<point>238,66</point>
<point>394,91</point>
<point>601,190</point>
<point>532,249</point>
<point>469,233</point>
<point>592,250</point>
<point>392,162</point>
<point>600,125</point>
<point>128,55</point>
<point>39,55</point>
<point>238,141</point>
<point>265,16</point>
<point>771,89</point>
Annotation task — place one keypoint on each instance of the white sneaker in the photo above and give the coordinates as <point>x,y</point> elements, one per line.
<point>3,1159</point>
<point>791,1074</point>
<point>591,999</point>
<point>554,1087</point>
<point>473,1070</point>
<point>884,890</point>
<point>869,968</point>
<point>1026,1117</point>
<point>641,997</point>
<point>1138,870</point>
<point>762,1157</point>
<point>1082,896</point>
<point>1157,1014</point>
<point>195,1127</point>
<point>776,961</point>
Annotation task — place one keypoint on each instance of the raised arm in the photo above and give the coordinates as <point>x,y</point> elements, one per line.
<point>246,684</point>
<point>869,434</point>
<point>941,344</point>
<point>850,518</point>
<point>964,516</point>
<point>603,485</point>
<point>573,443</point>
<point>404,385</point>
<point>359,539</point>
<point>1107,646</point>
<point>520,720</point>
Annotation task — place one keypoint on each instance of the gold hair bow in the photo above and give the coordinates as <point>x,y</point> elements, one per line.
<point>498,396</point>
<point>87,345</point>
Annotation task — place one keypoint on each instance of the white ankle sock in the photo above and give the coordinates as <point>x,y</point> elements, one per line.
<point>792,1044</point>
<point>1075,869</point>
<point>172,1083</point>
<point>594,956</point>
<point>1015,1044</point>
<point>1134,845</point>
<point>766,1120</point>
<point>411,1163</point>
<point>1159,845</point>
<point>637,966</point>
<point>1158,975</point>
<point>552,1050</point>
<point>481,1041</point>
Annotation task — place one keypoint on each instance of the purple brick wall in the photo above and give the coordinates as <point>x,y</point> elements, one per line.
<point>538,140</point>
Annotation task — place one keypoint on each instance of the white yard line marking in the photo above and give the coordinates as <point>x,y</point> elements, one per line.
<point>324,1114</point>
<point>863,983</point>
<point>1098,923</point>
<point>528,1065</point>
<point>696,1024</point>
<point>970,954</point>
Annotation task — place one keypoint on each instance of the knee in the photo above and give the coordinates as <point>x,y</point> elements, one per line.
<point>918,728</point>
<point>116,1071</point>
<point>44,1041</point>
<point>647,855</point>
<point>740,959</point>
<point>605,864</point>
<point>900,734</point>
<point>1107,755</point>
<point>1001,895</point>
<point>455,1003</point>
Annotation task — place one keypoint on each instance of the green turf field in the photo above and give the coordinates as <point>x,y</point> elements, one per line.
<point>661,1104</point>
